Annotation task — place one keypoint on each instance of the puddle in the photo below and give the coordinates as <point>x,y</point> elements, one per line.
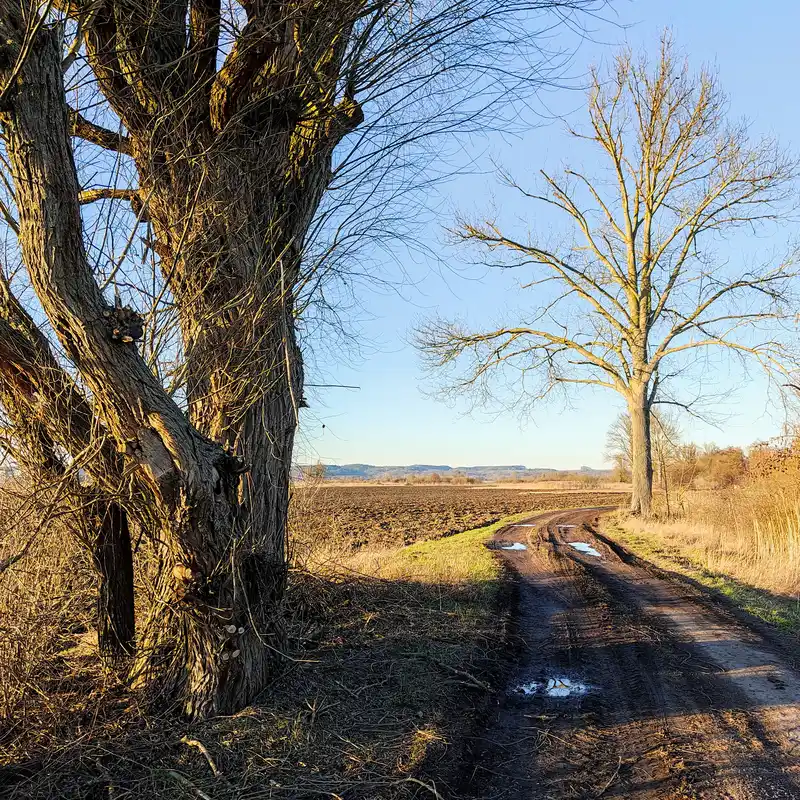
<point>524,525</point>
<point>515,546</point>
<point>564,687</point>
<point>586,549</point>
<point>555,687</point>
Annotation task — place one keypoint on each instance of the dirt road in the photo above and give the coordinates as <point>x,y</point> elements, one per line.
<point>630,684</point>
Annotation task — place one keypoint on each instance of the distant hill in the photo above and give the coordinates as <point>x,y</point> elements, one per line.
<point>487,473</point>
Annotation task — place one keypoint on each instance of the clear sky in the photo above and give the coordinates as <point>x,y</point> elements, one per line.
<point>391,420</point>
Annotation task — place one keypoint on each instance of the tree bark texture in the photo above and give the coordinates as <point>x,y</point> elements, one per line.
<point>641,454</point>
<point>191,481</point>
<point>232,164</point>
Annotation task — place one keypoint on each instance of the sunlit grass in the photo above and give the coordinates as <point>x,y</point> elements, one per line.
<point>753,563</point>
<point>459,560</point>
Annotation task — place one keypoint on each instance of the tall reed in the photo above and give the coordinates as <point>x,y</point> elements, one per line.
<point>750,532</point>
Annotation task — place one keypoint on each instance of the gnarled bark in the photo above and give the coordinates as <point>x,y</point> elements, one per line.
<point>233,146</point>
<point>230,248</point>
<point>191,480</point>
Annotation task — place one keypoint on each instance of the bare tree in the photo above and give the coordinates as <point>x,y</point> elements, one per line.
<point>618,444</point>
<point>216,130</point>
<point>665,444</point>
<point>640,287</point>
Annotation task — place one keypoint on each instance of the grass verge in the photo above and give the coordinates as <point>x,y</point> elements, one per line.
<point>394,652</point>
<point>665,546</point>
<point>460,559</point>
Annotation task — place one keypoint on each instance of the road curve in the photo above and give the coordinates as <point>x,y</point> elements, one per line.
<point>630,685</point>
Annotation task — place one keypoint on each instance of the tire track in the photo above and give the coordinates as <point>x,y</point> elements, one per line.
<point>683,702</point>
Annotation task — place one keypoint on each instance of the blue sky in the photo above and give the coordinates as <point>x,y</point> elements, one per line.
<point>391,420</point>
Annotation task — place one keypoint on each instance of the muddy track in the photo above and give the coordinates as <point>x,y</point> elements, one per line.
<point>661,695</point>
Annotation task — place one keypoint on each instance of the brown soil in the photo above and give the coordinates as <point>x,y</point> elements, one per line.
<point>685,701</point>
<point>388,516</point>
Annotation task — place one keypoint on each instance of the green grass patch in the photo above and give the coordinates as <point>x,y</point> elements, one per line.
<point>461,558</point>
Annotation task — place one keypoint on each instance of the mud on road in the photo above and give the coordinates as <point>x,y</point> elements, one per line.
<point>631,685</point>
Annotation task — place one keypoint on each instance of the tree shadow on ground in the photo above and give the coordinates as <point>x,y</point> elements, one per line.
<point>775,616</point>
<point>382,688</point>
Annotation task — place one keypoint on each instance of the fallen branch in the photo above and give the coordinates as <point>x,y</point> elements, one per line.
<point>204,750</point>
<point>469,677</point>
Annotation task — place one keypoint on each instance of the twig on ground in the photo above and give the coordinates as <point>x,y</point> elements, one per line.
<point>204,750</point>
<point>470,678</point>
<point>184,781</point>
<point>427,786</point>
<point>611,779</point>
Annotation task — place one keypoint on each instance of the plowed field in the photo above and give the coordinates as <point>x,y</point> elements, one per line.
<point>359,516</point>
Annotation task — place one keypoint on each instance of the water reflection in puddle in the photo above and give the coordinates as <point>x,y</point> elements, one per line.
<point>587,549</point>
<point>554,687</point>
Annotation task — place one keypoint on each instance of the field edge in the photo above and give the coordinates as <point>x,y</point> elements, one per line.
<point>771,613</point>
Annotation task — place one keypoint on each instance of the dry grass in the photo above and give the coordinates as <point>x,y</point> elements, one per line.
<point>46,605</point>
<point>750,532</point>
<point>588,484</point>
<point>743,541</point>
<point>391,653</point>
<point>375,701</point>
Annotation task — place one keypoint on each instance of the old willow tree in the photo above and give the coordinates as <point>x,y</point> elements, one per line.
<point>640,284</point>
<point>176,156</point>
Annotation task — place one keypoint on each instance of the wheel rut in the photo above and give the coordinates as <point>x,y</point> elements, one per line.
<point>627,685</point>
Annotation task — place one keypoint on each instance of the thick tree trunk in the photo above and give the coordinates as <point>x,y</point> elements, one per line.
<point>230,201</point>
<point>233,244</point>
<point>113,559</point>
<point>245,379</point>
<point>189,483</point>
<point>215,642</point>
<point>641,453</point>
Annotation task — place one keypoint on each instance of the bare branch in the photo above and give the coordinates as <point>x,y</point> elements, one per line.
<point>106,193</point>
<point>643,285</point>
<point>96,134</point>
